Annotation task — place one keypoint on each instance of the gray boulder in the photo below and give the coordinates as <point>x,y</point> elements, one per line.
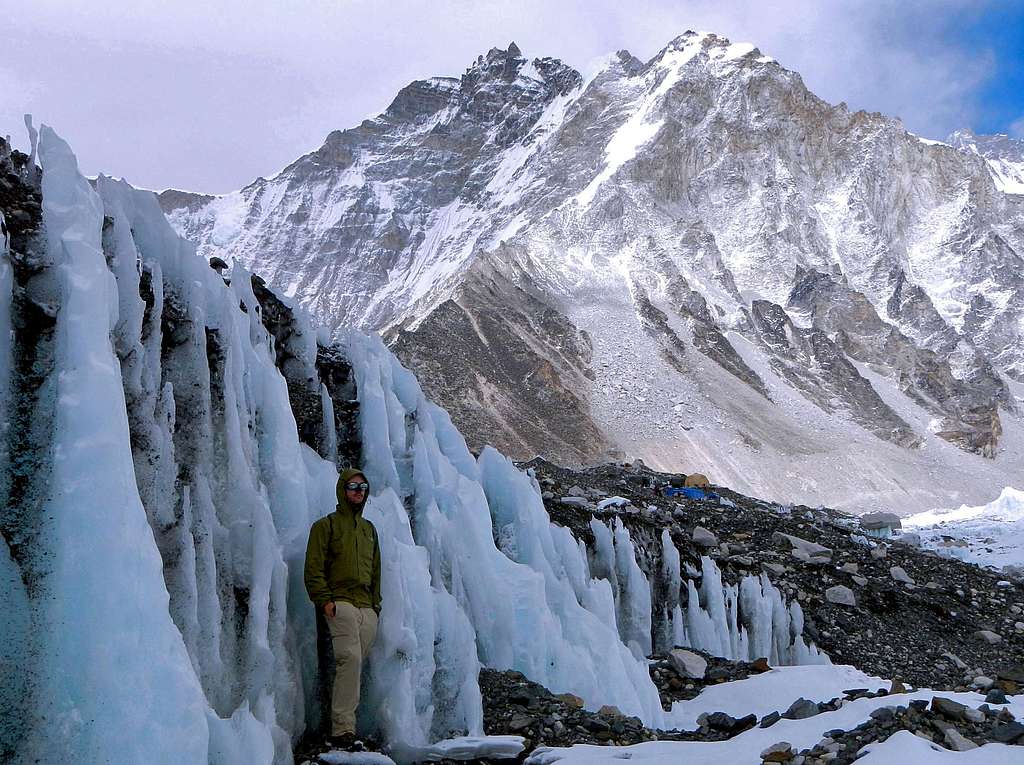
<point>899,575</point>
<point>704,538</point>
<point>688,663</point>
<point>840,595</point>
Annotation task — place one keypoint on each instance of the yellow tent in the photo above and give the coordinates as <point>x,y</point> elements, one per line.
<point>697,480</point>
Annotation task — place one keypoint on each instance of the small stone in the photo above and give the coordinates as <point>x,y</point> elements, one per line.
<point>609,710</point>
<point>521,722</point>
<point>883,714</point>
<point>974,715</point>
<point>957,661</point>
<point>779,752</point>
<point>897,687</point>
<point>878,552</point>
<point>808,548</point>
<point>570,700</point>
<point>801,709</point>
<point>899,575</point>
<point>1014,673</point>
<point>983,683</point>
<point>1008,733</point>
<point>701,536</point>
<point>850,568</point>
<point>720,721</point>
<point>760,665</point>
<point>770,719</point>
<point>840,595</point>
<point>688,663</point>
<point>860,581</point>
<point>995,696</point>
<point>948,708</point>
<point>956,741</point>
<point>989,636</point>
<point>881,522</point>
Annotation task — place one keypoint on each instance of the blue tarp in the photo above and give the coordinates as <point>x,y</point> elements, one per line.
<point>689,492</point>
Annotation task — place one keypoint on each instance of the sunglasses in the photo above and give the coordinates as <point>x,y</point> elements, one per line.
<point>357,486</point>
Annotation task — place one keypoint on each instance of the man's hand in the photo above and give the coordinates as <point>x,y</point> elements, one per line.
<point>329,610</point>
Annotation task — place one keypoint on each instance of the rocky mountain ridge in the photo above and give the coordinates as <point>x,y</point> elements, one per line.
<point>795,283</point>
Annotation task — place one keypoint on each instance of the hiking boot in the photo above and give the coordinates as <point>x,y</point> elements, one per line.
<point>342,741</point>
<point>347,742</point>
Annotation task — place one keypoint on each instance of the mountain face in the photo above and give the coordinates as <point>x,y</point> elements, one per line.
<point>693,261</point>
<point>1004,155</point>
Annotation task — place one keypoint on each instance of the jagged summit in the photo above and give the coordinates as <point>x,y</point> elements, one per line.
<point>583,269</point>
<point>1004,155</point>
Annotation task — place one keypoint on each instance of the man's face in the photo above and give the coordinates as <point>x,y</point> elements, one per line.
<point>355,489</point>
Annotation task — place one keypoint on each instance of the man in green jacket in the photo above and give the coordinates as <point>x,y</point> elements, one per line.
<point>342,576</point>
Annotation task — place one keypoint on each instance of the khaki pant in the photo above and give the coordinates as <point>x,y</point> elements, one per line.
<point>352,633</point>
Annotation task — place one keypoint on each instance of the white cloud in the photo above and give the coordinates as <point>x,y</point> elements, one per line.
<point>177,94</point>
<point>1017,128</point>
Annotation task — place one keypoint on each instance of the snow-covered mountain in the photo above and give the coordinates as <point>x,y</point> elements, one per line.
<point>1005,157</point>
<point>692,260</point>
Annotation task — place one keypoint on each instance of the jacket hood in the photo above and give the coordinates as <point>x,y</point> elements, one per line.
<point>343,504</point>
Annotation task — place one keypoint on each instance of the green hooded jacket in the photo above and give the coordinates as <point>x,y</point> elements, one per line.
<point>343,555</point>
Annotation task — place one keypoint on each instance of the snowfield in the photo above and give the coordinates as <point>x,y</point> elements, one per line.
<point>990,535</point>
<point>776,690</point>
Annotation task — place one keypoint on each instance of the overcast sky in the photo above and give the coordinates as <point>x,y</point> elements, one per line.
<point>174,94</point>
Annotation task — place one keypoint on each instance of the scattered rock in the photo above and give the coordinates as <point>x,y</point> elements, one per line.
<point>899,575</point>
<point>688,663</point>
<point>956,741</point>
<point>570,699</point>
<point>812,550</point>
<point>779,752</point>
<point>983,683</point>
<point>840,595</point>
<point>801,709</point>
<point>995,696</point>
<point>989,636</point>
<point>1014,674</point>
<point>701,536</point>
<point>957,661</point>
<point>1008,733</point>
<point>948,708</point>
<point>880,522</point>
